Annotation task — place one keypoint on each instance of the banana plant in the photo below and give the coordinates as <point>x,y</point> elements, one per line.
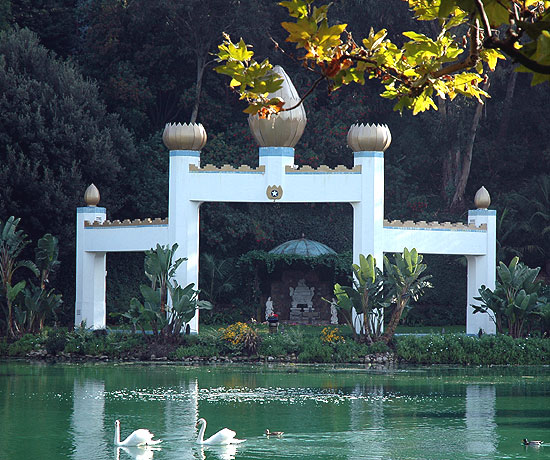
<point>165,318</point>
<point>46,257</point>
<point>515,299</point>
<point>160,267</point>
<point>152,312</point>
<point>366,297</point>
<point>184,303</point>
<point>136,315</point>
<point>406,283</point>
<point>12,243</point>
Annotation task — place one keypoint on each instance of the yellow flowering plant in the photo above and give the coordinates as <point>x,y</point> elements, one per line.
<point>241,337</point>
<point>331,336</point>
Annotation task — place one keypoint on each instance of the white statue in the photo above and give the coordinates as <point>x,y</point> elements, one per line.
<point>333,313</point>
<point>268,308</point>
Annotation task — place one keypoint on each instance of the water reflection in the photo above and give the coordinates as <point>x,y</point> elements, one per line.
<point>136,453</point>
<point>480,419</point>
<point>338,415</point>
<point>366,420</point>
<point>226,452</point>
<point>87,417</point>
<point>181,415</point>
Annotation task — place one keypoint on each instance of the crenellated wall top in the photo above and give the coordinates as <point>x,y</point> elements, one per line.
<point>210,168</point>
<point>340,169</point>
<point>422,224</point>
<point>127,223</point>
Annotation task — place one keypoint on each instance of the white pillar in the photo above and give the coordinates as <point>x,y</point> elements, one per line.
<point>183,221</point>
<point>90,273</point>
<point>275,159</point>
<point>368,214</point>
<point>481,271</point>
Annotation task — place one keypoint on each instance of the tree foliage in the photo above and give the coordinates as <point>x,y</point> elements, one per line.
<point>468,43</point>
<point>56,138</point>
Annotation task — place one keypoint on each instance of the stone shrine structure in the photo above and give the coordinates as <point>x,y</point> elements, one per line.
<point>297,291</point>
<point>277,178</point>
<point>302,302</point>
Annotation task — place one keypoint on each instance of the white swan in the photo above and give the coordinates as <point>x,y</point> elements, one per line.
<point>141,437</point>
<point>224,436</point>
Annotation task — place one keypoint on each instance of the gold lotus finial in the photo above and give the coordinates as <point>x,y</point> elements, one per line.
<point>373,138</point>
<point>91,195</point>
<point>285,128</point>
<point>184,136</point>
<point>482,199</point>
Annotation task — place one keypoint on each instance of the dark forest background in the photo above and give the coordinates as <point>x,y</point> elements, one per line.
<point>86,87</point>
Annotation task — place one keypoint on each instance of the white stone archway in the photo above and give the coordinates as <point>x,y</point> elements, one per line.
<point>277,178</point>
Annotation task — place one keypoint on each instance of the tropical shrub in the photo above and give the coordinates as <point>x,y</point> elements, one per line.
<point>366,297</point>
<point>515,299</point>
<point>350,351</point>
<point>363,304</point>
<point>217,277</point>
<point>165,318</point>
<point>26,305</point>
<point>405,283</point>
<point>12,243</point>
<point>84,341</point>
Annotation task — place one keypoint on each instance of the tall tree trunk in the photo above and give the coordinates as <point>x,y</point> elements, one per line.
<point>201,66</point>
<point>465,163</point>
<point>446,178</point>
<point>505,120</point>
<point>394,320</point>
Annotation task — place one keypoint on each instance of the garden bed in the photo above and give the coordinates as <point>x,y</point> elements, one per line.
<point>240,343</point>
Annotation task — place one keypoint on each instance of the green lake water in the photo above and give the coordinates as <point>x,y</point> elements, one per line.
<point>60,411</point>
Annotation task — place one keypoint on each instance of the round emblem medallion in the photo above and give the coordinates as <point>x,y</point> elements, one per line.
<point>274,192</point>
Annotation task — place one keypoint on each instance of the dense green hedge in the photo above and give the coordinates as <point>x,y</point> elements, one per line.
<point>297,342</point>
<point>471,350</point>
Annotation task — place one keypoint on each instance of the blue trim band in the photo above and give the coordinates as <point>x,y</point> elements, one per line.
<point>185,153</point>
<point>482,212</point>
<point>322,172</point>
<point>368,154</point>
<point>277,152</point>
<point>91,210</point>
<point>226,172</point>
<point>124,226</point>
<point>467,230</point>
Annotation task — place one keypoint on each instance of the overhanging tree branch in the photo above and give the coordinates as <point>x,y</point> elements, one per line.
<point>471,60</point>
